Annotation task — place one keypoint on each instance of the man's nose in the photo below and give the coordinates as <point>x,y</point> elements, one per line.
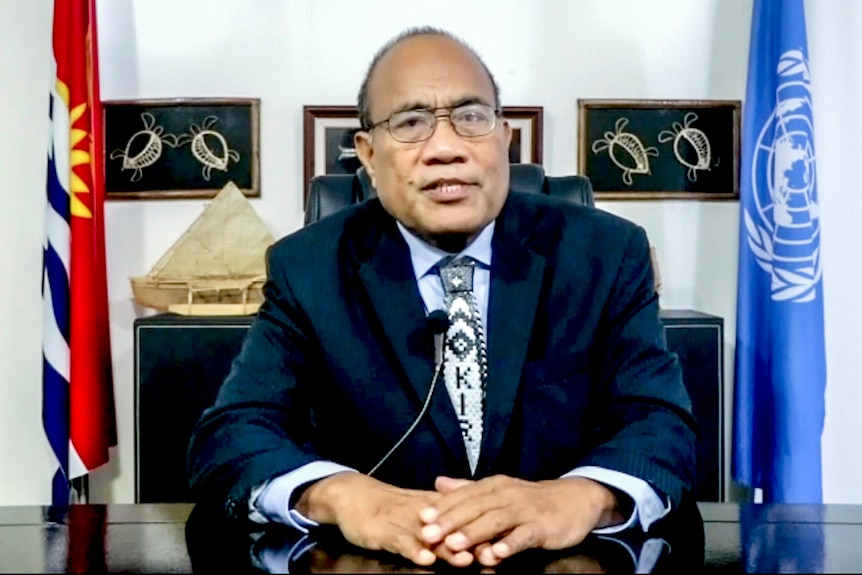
<point>444,145</point>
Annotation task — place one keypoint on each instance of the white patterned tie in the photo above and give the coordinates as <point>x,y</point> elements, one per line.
<point>464,362</point>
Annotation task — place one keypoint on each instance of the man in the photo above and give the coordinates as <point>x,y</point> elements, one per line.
<point>584,422</point>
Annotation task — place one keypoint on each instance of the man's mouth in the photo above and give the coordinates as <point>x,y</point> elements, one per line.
<point>448,190</point>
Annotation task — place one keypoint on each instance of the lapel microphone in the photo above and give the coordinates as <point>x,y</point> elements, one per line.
<point>438,323</point>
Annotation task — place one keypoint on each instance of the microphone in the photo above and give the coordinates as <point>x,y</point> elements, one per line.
<point>438,323</point>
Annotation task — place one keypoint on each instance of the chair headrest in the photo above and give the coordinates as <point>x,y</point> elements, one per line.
<point>329,193</point>
<point>368,191</point>
<point>526,177</point>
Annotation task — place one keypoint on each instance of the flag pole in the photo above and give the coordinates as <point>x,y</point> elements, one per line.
<point>81,489</point>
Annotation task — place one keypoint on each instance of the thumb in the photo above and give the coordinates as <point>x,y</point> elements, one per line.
<point>445,484</point>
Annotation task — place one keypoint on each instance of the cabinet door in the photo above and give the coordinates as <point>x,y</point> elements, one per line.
<point>698,339</point>
<point>180,365</point>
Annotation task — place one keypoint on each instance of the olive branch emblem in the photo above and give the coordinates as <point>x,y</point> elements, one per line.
<point>786,285</point>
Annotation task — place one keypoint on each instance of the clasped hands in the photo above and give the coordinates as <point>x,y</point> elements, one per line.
<point>461,521</point>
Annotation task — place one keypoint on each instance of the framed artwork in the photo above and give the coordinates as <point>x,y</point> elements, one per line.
<point>526,122</point>
<point>181,148</point>
<point>328,138</point>
<point>654,149</point>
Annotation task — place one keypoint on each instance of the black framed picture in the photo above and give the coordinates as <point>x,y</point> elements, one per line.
<point>328,138</point>
<point>181,148</point>
<point>654,149</point>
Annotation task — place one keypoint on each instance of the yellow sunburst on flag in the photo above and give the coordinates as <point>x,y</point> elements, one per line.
<point>77,157</point>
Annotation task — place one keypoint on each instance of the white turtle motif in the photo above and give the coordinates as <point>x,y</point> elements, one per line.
<point>153,137</point>
<point>201,150</point>
<point>629,143</point>
<point>682,133</point>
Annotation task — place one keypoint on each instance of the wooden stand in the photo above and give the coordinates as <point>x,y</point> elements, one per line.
<point>214,309</point>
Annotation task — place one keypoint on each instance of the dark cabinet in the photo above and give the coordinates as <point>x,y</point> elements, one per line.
<point>698,340</point>
<point>180,362</point>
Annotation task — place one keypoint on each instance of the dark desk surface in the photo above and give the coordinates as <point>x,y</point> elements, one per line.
<point>155,538</point>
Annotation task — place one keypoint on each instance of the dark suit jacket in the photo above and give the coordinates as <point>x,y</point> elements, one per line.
<point>340,359</point>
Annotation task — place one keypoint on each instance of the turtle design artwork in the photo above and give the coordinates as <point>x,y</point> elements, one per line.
<point>212,158</point>
<point>145,147</point>
<point>685,133</point>
<point>625,150</point>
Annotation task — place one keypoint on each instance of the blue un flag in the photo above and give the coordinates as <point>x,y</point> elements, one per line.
<point>780,375</point>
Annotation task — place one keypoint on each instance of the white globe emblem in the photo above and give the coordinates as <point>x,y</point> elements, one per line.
<point>784,233</point>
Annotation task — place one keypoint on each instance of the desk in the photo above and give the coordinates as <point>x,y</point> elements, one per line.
<point>153,538</point>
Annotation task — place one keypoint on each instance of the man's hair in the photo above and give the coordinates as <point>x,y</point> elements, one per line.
<point>363,100</point>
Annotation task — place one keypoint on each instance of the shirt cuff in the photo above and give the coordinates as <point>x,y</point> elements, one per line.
<point>271,501</point>
<point>649,506</point>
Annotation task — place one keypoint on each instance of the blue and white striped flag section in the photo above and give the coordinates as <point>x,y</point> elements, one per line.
<point>780,371</point>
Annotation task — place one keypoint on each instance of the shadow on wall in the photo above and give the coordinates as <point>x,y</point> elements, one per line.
<point>728,68</point>
<point>124,232</point>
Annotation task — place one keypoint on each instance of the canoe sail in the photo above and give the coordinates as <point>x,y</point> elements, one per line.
<point>216,267</point>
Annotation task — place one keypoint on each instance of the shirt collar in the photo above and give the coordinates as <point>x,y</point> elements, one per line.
<point>424,256</point>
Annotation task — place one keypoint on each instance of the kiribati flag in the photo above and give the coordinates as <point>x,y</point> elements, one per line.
<point>78,398</point>
<point>780,353</point>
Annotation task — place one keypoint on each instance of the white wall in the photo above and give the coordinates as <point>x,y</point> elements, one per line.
<point>836,70</point>
<point>25,53</point>
<point>290,53</point>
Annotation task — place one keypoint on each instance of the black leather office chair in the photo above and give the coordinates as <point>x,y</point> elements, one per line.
<point>329,193</point>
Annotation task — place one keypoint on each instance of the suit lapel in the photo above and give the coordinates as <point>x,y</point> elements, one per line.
<point>385,275</point>
<point>516,280</point>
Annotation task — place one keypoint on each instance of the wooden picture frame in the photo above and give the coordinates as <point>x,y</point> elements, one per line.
<point>527,123</point>
<point>328,139</point>
<point>181,147</point>
<point>660,149</point>
<point>327,135</point>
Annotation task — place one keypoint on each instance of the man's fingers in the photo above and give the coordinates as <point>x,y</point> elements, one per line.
<point>406,545</point>
<point>469,502</point>
<point>447,485</point>
<point>486,527</point>
<point>424,557</point>
<point>469,495</point>
<point>443,485</point>
<point>476,512</point>
<point>432,533</point>
<point>463,492</point>
<point>485,556</point>
<point>522,537</point>
<point>459,559</point>
<point>428,515</point>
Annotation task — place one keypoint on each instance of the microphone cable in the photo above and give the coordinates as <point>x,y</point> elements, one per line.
<point>438,323</point>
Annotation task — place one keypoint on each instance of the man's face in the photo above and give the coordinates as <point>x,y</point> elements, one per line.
<point>448,186</point>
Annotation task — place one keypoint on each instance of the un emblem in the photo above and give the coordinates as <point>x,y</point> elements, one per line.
<point>784,231</point>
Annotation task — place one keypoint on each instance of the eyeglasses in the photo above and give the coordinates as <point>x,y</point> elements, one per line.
<point>468,121</point>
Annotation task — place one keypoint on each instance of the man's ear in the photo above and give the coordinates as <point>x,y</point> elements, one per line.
<point>507,133</point>
<point>365,152</point>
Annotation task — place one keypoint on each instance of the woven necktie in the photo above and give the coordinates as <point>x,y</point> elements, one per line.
<point>464,363</point>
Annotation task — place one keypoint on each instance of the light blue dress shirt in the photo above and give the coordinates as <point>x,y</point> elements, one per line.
<point>271,501</point>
